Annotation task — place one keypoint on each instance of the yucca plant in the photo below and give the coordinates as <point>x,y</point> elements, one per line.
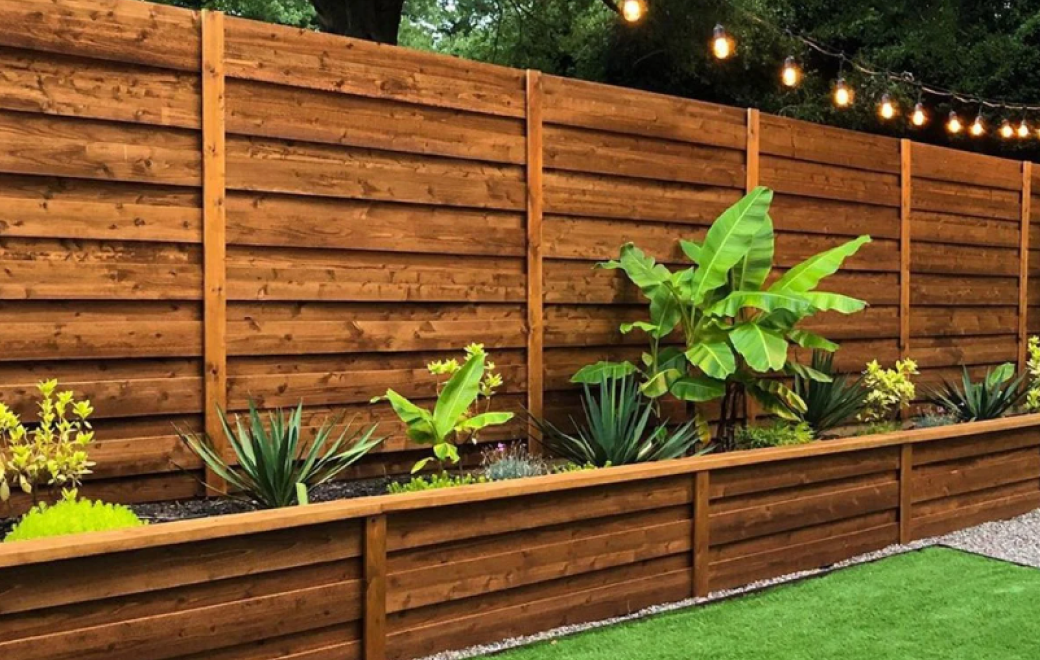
<point>270,464</point>
<point>619,428</point>
<point>828,403</point>
<point>991,398</point>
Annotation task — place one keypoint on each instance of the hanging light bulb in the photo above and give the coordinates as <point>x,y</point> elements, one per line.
<point>919,117</point>
<point>791,74</point>
<point>953,124</point>
<point>1006,131</point>
<point>843,94</point>
<point>633,10</point>
<point>1023,129</point>
<point>978,127</point>
<point>886,109</point>
<point>721,43</point>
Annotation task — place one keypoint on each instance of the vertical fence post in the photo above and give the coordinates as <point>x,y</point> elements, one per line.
<point>752,177</point>
<point>214,170</point>
<point>701,532</point>
<point>905,202</point>
<point>906,477</point>
<point>535,318</point>
<point>374,631</point>
<point>1023,263</point>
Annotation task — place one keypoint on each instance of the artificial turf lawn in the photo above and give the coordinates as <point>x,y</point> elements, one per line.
<point>936,603</point>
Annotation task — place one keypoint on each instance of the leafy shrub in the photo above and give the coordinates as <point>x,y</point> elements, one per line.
<point>828,403</point>
<point>1032,402</point>
<point>934,418</point>
<point>888,390</point>
<point>618,429</point>
<point>879,428</point>
<point>270,457</point>
<point>513,461</point>
<point>569,466</point>
<point>780,434</point>
<point>456,417</point>
<point>991,398</point>
<point>54,451</point>
<point>72,516</point>
<point>435,481</point>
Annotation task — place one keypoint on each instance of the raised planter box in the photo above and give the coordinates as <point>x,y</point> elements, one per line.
<point>407,575</point>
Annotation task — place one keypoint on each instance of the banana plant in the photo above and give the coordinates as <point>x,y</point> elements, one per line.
<point>735,330</point>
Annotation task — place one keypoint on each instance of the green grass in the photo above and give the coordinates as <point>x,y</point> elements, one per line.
<point>936,603</point>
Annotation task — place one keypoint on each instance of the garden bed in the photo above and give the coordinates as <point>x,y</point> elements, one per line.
<point>401,576</point>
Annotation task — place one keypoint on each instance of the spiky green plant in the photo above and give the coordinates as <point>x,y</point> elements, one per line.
<point>991,398</point>
<point>270,456</point>
<point>619,428</point>
<point>828,404</point>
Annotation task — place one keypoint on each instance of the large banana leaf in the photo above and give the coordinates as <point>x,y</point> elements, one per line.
<point>458,395</point>
<point>698,389</point>
<point>751,273</point>
<point>594,373</point>
<point>764,349</point>
<point>807,339</point>
<point>806,275</point>
<point>715,359</point>
<point>419,421</point>
<point>692,250</point>
<point>767,301</point>
<point>665,311</point>
<point>729,240</point>
<point>776,398</point>
<point>642,269</point>
<point>827,302</point>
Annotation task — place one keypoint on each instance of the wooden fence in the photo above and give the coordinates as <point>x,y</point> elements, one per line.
<point>385,577</point>
<point>197,210</point>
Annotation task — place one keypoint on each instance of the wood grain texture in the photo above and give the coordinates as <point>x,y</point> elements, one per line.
<point>905,206</point>
<point>701,544</point>
<point>1023,273</point>
<point>535,252</point>
<point>374,634</point>
<point>906,473</point>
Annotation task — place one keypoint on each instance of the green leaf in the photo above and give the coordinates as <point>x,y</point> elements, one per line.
<point>1001,374</point>
<point>592,374</point>
<point>648,328</point>
<point>446,452</point>
<point>698,389</point>
<point>665,311</point>
<point>458,395</point>
<point>807,339</point>
<point>806,275</point>
<point>659,383</point>
<point>752,271</point>
<point>827,302</point>
<point>764,349</point>
<point>777,399</point>
<point>485,420</point>
<point>420,464</point>
<point>692,250</point>
<point>642,269</point>
<point>767,301</point>
<point>418,420</point>
<point>729,240</point>
<point>808,373</point>
<point>713,358</point>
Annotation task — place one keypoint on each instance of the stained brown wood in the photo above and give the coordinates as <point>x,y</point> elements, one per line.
<point>906,473</point>
<point>535,251</point>
<point>701,534</point>
<point>214,239</point>
<point>905,206</point>
<point>375,588</point>
<point>1023,276</point>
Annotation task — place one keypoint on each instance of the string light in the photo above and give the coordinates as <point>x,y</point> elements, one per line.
<point>633,10</point>
<point>887,109</point>
<point>843,94</point>
<point>978,127</point>
<point>721,44</point>
<point>919,117</point>
<point>953,124</point>
<point>1006,131</point>
<point>1023,129</point>
<point>792,73</point>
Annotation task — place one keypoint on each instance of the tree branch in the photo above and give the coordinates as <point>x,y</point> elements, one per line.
<point>613,6</point>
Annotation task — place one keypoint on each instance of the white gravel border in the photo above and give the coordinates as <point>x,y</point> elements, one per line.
<point>1016,540</point>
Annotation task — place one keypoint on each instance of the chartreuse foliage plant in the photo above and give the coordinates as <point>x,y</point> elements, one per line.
<point>990,398</point>
<point>272,460</point>
<point>735,327</point>
<point>1032,401</point>
<point>462,410</point>
<point>888,390</point>
<point>418,484</point>
<point>619,428</point>
<point>52,452</point>
<point>72,516</point>
<point>779,434</point>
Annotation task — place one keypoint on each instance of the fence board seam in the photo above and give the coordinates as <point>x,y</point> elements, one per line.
<point>905,203</point>
<point>1023,263</point>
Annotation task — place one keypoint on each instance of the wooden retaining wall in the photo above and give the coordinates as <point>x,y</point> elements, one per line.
<point>197,210</point>
<point>406,575</point>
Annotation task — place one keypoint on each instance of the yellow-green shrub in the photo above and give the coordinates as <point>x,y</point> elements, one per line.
<point>72,516</point>
<point>1032,403</point>
<point>888,390</point>
<point>52,452</point>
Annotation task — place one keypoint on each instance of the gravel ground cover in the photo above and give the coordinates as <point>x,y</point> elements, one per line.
<point>1016,540</point>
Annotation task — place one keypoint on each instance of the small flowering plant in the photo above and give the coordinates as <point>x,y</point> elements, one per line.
<point>888,390</point>
<point>52,452</point>
<point>462,410</point>
<point>1032,403</point>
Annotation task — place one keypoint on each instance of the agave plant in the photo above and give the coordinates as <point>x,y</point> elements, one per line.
<point>998,393</point>
<point>271,467</point>
<point>619,428</point>
<point>828,403</point>
<point>735,328</point>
